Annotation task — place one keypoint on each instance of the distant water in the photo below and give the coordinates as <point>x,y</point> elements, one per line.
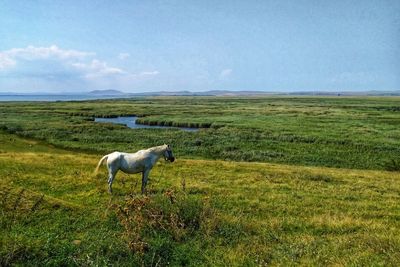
<point>58,97</point>
<point>131,123</point>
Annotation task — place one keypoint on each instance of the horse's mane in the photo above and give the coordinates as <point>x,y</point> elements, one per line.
<point>156,148</point>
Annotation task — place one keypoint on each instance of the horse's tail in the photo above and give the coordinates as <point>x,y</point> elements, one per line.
<point>99,164</point>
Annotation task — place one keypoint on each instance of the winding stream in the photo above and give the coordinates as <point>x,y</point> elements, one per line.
<point>131,123</point>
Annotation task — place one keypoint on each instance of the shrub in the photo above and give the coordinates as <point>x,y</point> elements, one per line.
<point>159,224</point>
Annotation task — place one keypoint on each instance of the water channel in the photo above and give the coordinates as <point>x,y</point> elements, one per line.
<point>131,123</point>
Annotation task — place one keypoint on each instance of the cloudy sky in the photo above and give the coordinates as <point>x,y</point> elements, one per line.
<point>137,46</point>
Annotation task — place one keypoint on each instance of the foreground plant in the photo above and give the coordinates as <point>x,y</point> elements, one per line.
<point>154,223</point>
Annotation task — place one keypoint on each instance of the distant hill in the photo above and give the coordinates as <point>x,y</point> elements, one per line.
<point>116,93</point>
<point>345,93</point>
<point>261,93</point>
<point>106,92</point>
<point>206,93</point>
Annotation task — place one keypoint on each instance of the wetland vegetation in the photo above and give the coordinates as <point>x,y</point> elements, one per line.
<point>341,132</point>
<point>325,189</point>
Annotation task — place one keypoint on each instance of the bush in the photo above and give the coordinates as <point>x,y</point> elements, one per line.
<point>156,226</point>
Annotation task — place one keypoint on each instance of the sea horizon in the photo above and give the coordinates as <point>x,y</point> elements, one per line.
<point>56,97</point>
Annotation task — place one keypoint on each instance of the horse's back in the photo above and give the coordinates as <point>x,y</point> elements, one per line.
<point>114,156</point>
<point>132,162</point>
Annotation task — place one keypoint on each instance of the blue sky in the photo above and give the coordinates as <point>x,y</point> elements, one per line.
<point>137,46</point>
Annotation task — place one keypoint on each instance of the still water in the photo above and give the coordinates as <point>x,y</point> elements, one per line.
<point>131,123</point>
<point>52,98</point>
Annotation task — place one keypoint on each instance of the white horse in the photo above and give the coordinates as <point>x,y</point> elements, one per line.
<point>141,161</point>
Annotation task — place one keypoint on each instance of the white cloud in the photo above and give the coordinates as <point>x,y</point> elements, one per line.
<point>6,61</point>
<point>225,73</point>
<point>97,68</point>
<point>34,53</point>
<point>10,58</point>
<point>149,73</point>
<point>59,68</point>
<point>78,60</point>
<point>123,56</point>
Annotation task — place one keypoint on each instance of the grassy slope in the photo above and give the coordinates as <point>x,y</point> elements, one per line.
<point>266,213</point>
<point>346,132</point>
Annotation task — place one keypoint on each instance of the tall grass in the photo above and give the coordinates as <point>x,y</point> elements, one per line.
<point>360,133</point>
<point>198,213</point>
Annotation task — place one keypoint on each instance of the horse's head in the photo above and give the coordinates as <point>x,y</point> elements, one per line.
<point>168,154</point>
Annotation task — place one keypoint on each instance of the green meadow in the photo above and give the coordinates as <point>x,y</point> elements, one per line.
<point>361,133</point>
<point>265,181</point>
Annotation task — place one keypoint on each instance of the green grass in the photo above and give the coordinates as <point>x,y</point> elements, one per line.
<point>268,181</point>
<point>344,132</point>
<point>55,212</point>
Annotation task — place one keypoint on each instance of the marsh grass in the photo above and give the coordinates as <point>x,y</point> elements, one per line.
<point>197,212</point>
<point>392,165</point>
<point>343,132</point>
<point>201,210</point>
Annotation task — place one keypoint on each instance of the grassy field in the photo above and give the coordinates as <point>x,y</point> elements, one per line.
<point>268,181</point>
<point>361,133</point>
<point>216,213</point>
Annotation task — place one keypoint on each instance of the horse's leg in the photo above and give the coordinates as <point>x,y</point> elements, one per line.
<point>145,178</point>
<point>111,175</point>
